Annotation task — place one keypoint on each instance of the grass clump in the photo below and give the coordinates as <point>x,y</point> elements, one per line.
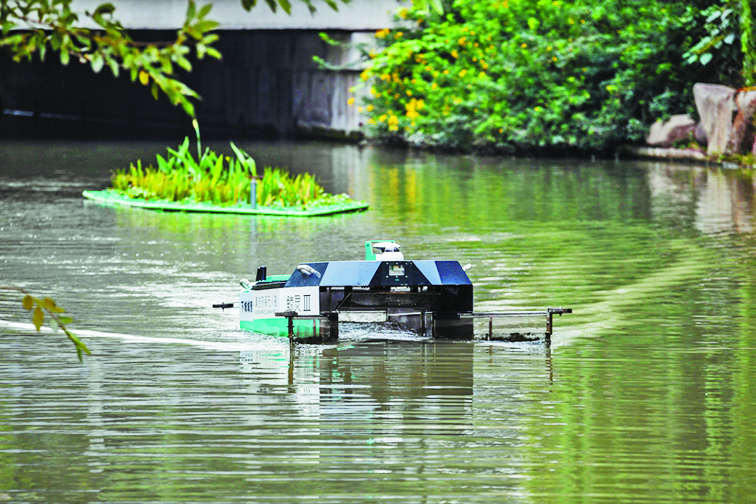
<point>217,179</point>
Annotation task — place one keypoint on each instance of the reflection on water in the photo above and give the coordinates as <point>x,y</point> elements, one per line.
<point>646,393</point>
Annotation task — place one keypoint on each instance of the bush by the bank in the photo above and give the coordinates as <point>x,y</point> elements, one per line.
<point>524,76</point>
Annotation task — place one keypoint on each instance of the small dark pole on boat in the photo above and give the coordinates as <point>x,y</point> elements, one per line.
<point>290,323</point>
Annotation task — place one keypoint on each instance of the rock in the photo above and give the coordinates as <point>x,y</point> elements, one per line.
<point>715,105</point>
<point>741,138</point>
<point>665,134</point>
<point>667,153</point>
<point>700,135</point>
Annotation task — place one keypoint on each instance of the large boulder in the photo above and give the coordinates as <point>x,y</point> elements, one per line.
<point>700,135</point>
<point>741,138</point>
<point>716,105</point>
<point>677,127</point>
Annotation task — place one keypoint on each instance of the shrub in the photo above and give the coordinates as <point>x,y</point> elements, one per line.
<point>535,76</point>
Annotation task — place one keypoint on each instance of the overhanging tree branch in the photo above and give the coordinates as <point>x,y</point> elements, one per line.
<point>33,26</point>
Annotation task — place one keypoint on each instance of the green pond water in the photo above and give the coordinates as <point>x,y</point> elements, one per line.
<point>646,394</point>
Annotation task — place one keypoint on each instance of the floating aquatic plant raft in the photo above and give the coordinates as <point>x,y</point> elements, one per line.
<point>114,198</point>
<point>212,182</point>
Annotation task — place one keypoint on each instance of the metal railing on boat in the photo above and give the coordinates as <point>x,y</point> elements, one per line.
<point>548,313</point>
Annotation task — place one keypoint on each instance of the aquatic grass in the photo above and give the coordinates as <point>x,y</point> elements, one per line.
<point>217,179</point>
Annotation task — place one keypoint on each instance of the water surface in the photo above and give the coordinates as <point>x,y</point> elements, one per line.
<point>645,395</point>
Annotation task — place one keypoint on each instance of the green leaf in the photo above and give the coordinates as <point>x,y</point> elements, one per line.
<point>64,57</point>
<point>713,16</point>
<point>205,10</point>
<point>285,5</point>
<point>209,39</point>
<point>183,63</point>
<point>107,8</point>
<point>113,64</point>
<point>7,26</point>
<point>705,58</point>
<point>188,106</point>
<point>97,62</point>
<point>38,318</point>
<point>208,25</point>
<point>28,302</point>
<point>248,4</point>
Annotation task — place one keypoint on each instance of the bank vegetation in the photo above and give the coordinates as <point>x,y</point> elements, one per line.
<point>548,76</point>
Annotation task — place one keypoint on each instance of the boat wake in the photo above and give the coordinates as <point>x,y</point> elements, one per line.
<point>228,346</point>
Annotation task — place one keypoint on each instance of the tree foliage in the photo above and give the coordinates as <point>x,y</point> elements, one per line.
<point>32,27</point>
<point>536,75</point>
<point>41,306</point>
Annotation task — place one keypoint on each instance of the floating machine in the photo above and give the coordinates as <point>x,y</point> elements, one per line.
<point>431,298</point>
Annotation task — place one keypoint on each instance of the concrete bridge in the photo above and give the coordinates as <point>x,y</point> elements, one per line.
<point>266,84</point>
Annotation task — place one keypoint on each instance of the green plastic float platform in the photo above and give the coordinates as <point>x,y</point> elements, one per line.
<point>114,198</point>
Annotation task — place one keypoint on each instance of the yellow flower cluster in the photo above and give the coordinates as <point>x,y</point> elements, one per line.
<point>393,123</point>
<point>382,33</point>
<point>413,106</point>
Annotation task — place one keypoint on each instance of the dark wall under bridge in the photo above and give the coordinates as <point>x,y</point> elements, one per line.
<point>267,84</point>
